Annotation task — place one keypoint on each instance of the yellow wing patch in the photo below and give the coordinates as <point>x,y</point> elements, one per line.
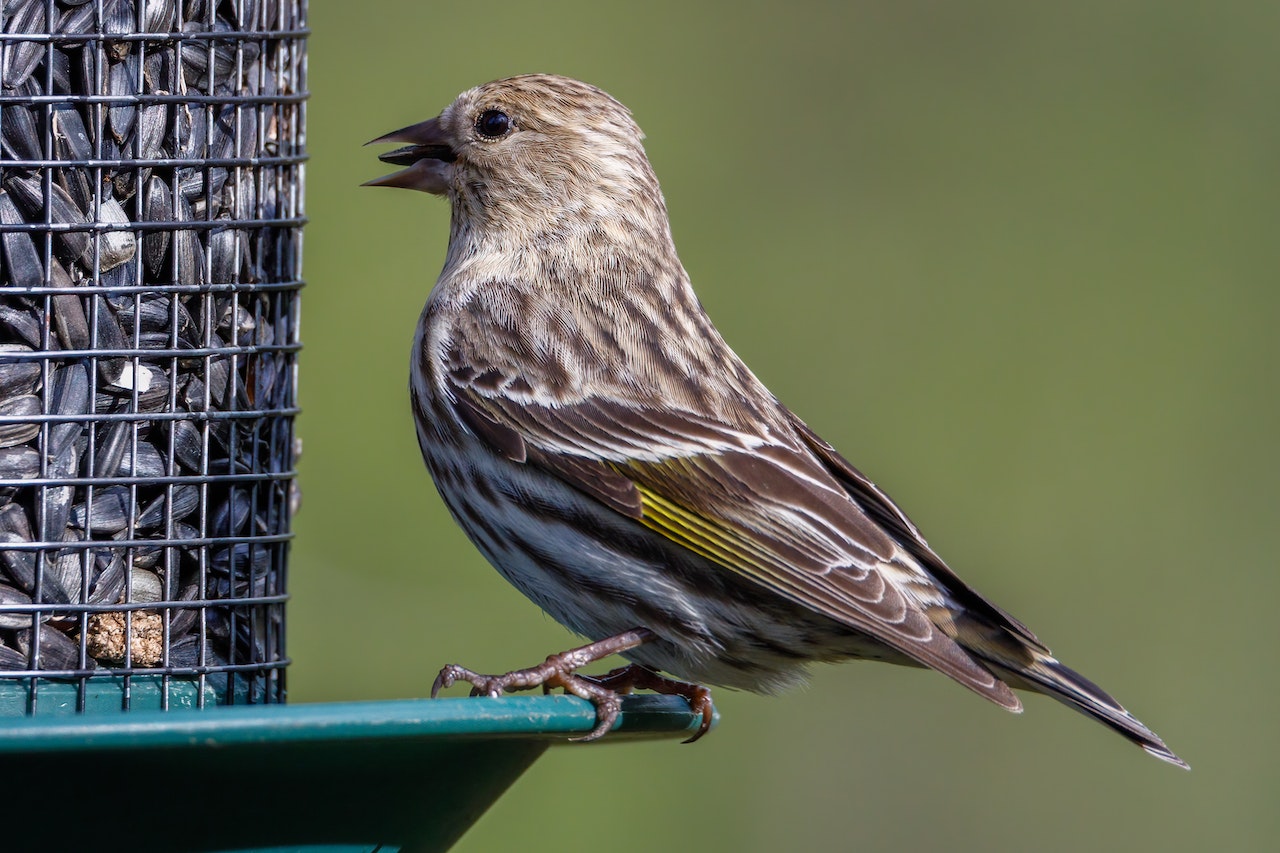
<point>696,533</point>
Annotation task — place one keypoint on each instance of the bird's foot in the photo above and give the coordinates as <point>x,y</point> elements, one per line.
<point>558,671</point>
<point>635,676</point>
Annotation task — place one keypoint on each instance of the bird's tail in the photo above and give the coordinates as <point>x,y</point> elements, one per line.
<point>1044,674</point>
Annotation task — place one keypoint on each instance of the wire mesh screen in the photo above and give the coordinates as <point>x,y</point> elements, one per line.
<point>151,213</point>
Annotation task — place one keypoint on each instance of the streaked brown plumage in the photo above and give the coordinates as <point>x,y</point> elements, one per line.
<point>614,459</point>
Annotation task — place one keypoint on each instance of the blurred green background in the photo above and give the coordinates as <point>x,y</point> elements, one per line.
<point>1018,261</point>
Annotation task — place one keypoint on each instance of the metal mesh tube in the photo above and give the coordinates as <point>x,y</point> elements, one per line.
<point>151,212</point>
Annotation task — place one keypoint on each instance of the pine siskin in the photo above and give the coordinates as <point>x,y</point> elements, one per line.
<point>614,459</point>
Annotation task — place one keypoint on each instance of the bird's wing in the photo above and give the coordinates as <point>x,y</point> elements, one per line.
<point>888,515</point>
<point>762,506</point>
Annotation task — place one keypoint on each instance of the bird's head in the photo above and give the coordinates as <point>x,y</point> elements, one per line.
<point>536,146</point>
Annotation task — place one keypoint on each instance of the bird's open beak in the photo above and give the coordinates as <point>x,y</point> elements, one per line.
<point>427,157</point>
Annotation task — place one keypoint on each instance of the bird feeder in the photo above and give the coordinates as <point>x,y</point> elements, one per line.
<point>151,213</point>
<point>151,204</point>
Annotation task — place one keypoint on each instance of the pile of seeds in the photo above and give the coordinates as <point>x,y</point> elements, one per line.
<point>150,238</point>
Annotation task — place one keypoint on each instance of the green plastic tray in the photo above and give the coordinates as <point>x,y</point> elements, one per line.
<point>408,775</point>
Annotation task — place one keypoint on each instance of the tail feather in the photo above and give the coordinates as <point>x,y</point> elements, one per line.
<point>1046,675</point>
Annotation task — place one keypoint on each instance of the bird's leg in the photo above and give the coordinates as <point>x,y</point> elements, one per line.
<point>558,671</point>
<point>636,676</point>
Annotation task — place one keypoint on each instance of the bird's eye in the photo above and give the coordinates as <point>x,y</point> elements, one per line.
<point>493,123</point>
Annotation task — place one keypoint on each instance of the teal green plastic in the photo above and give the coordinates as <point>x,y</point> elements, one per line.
<point>43,697</point>
<point>411,775</point>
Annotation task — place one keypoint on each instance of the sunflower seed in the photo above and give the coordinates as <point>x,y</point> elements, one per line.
<point>109,586</point>
<point>187,445</point>
<point>112,444</point>
<point>71,143</point>
<point>144,586</point>
<point>200,54</point>
<point>22,261</point>
<point>18,323</point>
<point>12,430</point>
<point>146,464</point>
<point>56,500</point>
<point>158,314</point>
<point>17,377</point>
<point>77,20</point>
<point>109,510</point>
<point>225,254</point>
<point>231,516</point>
<point>184,654</point>
<point>191,131</point>
<point>70,138</point>
<point>157,207</point>
<point>61,210</point>
<point>148,386</point>
<point>117,245</point>
<point>21,132</point>
<point>15,528</point>
<point>19,463</point>
<point>153,121</point>
<point>61,71</point>
<point>118,20</point>
<point>185,501</point>
<point>13,619</point>
<point>22,57</point>
<point>68,312</point>
<point>109,337</point>
<point>188,254</point>
<point>55,651</point>
<point>122,85</point>
<point>12,659</point>
<point>70,398</point>
<point>159,15</point>
<point>61,575</point>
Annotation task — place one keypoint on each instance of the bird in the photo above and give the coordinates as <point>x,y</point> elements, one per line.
<point>605,449</point>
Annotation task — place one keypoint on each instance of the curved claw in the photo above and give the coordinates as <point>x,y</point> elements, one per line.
<point>605,718</point>
<point>608,705</point>
<point>702,704</point>
<point>444,679</point>
<point>481,685</point>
